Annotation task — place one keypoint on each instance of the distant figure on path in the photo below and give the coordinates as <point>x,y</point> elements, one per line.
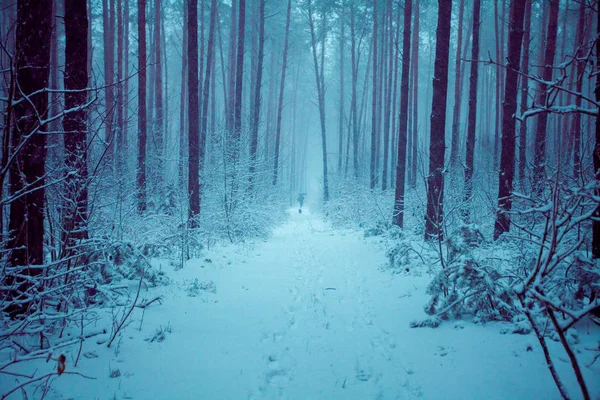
<point>301,201</point>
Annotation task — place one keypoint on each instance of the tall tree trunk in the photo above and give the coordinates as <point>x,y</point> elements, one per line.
<point>27,171</point>
<point>511,88</point>
<point>577,167</point>
<point>472,117</point>
<point>542,120</point>
<point>229,99</point>
<point>239,80</point>
<point>437,146</point>
<point>281,93</point>
<point>121,153</point>
<point>342,100</point>
<point>76,79</point>
<point>54,98</point>
<point>256,104</point>
<point>394,144</point>
<point>183,98</point>
<point>412,181</point>
<point>158,97</point>
<point>353,103</point>
<point>375,94</point>
<point>596,154</point>
<point>388,97</point>
<point>321,100</point>
<point>109,74</point>
<point>206,88</point>
<point>454,156</point>
<point>125,86</point>
<point>193,118</point>
<point>524,93</point>
<point>142,122</point>
<point>398,216</point>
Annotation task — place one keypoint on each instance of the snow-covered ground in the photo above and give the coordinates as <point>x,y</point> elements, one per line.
<point>310,314</point>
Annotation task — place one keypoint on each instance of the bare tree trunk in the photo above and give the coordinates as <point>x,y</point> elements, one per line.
<point>76,78</point>
<point>54,98</point>
<point>412,181</point>
<point>125,86</point>
<point>398,216</point>
<point>206,90</point>
<point>182,107</point>
<point>374,131</point>
<point>121,153</point>
<point>257,93</point>
<point>229,98</point>
<point>142,123</point>
<point>27,171</point>
<point>524,93</point>
<point>511,89</point>
<point>396,40</point>
<point>281,93</point>
<point>193,119</point>
<point>342,100</point>
<point>388,97</point>
<point>239,80</point>
<point>321,100</point>
<point>109,74</point>
<point>353,103</point>
<point>158,122</point>
<point>437,146</point>
<point>596,154</point>
<point>472,118</point>
<point>542,120</point>
<point>579,41</point>
<point>454,156</point>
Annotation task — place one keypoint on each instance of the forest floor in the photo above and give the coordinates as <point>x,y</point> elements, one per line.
<point>310,314</point>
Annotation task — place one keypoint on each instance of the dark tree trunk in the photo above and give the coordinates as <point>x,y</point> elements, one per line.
<point>577,167</point>
<point>342,100</point>
<point>239,80</point>
<point>353,103</point>
<point>76,78</point>
<point>472,117</point>
<point>387,94</point>
<point>158,97</point>
<point>193,119</point>
<point>524,93</point>
<point>121,153</point>
<point>27,171</point>
<point>229,98</point>
<point>142,123</point>
<point>109,74</point>
<point>539,160</point>
<point>511,88</point>
<point>412,181</point>
<point>437,146</point>
<point>125,86</point>
<point>375,94</point>
<point>454,156</point>
<point>321,100</point>
<point>398,216</point>
<point>206,90</point>
<point>183,98</point>
<point>256,104</point>
<point>281,93</point>
<point>596,155</point>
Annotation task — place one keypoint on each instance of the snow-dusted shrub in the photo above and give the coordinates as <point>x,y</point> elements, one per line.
<point>471,288</point>
<point>355,206</point>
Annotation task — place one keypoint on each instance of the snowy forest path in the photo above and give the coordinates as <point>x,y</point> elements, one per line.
<point>330,343</point>
<point>307,313</point>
